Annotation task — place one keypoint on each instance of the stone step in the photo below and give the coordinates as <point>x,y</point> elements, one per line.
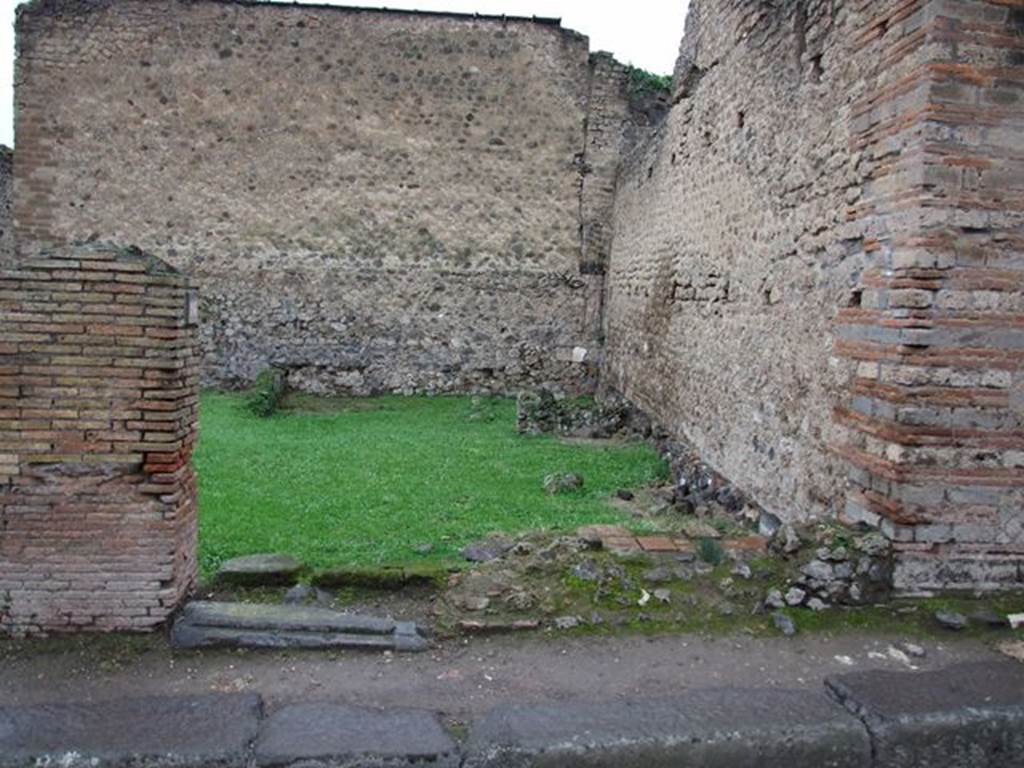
<point>264,570</point>
<point>251,625</point>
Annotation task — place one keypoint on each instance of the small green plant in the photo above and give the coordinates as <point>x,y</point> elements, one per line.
<point>644,83</point>
<point>710,551</point>
<point>482,409</point>
<point>266,393</point>
<point>721,525</point>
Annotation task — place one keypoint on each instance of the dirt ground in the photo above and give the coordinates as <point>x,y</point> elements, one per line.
<point>460,677</point>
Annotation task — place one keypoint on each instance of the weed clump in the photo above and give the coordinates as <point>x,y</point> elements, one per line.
<point>644,83</point>
<point>710,551</point>
<point>266,393</point>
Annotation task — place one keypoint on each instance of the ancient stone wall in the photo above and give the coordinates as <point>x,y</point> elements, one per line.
<point>377,201</point>
<point>614,123</point>
<point>817,280</point>
<point>6,200</point>
<point>729,261</point>
<point>98,404</point>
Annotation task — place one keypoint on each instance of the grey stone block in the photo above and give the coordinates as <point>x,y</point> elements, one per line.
<point>338,736</point>
<point>730,728</point>
<point>283,617</point>
<point>205,625</point>
<point>968,716</point>
<point>175,731</point>
<point>260,570</point>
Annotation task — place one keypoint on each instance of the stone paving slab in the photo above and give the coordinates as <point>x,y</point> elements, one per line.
<point>181,731</point>
<point>337,736</point>
<point>725,728</point>
<point>968,716</point>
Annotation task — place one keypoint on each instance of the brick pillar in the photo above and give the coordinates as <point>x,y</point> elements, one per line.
<point>937,331</point>
<point>98,406</point>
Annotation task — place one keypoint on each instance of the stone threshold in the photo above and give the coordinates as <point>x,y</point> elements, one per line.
<point>255,625</point>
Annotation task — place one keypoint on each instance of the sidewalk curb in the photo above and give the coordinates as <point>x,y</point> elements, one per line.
<point>157,732</point>
<point>966,716</point>
<point>337,735</point>
<point>710,728</point>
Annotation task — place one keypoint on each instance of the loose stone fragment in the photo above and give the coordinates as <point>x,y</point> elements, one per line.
<point>795,597</point>
<point>951,620</point>
<point>473,602</point>
<point>912,650</point>
<point>659,575</point>
<point>791,541</point>
<point>520,600</point>
<point>488,550</point>
<point>817,570</point>
<point>698,529</point>
<point>783,623</point>
<point>742,571</point>
<point>587,570</point>
<point>562,483</point>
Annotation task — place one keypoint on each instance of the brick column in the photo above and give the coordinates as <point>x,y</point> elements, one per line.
<point>98,406</point>
<point>937,327</point>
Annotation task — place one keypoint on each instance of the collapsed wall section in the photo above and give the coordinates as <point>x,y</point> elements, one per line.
<point>376,201</point>
<point>98,404</point>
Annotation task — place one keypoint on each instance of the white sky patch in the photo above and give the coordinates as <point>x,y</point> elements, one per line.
<point>645,33</point>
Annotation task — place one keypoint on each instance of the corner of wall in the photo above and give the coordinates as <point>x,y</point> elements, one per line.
<point>936,442</point>
<point>98,420</point>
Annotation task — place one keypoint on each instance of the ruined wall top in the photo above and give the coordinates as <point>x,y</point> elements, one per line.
<point>70,9</point>
<point>83,7</point>
<point>6,194</point>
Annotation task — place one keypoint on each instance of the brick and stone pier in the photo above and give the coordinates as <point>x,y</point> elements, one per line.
<point>98,406</point>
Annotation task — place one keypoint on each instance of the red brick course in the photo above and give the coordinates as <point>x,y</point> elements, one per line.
<point>936,435</point>
<point>98,418</point>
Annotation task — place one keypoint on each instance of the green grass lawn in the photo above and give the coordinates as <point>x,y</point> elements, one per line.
<point>366,482</point>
